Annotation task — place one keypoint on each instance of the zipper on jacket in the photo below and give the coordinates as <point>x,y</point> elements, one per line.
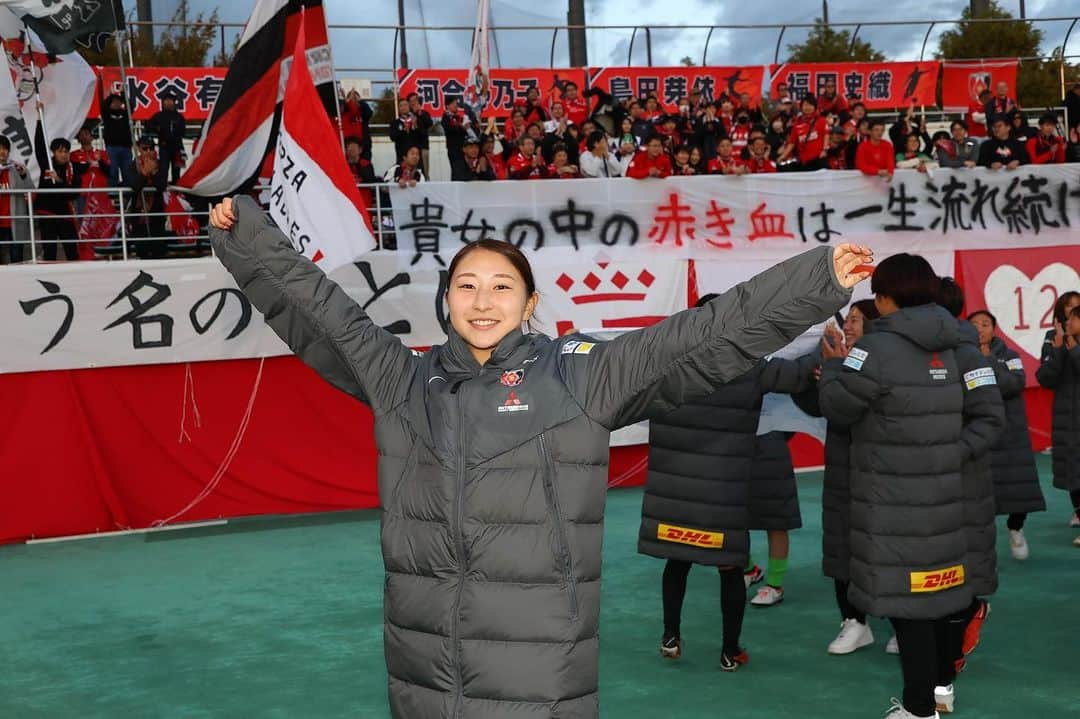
<point>459,544</point>
<point>565,559</point>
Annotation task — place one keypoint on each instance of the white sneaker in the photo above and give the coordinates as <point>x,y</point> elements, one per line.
<point>853,635</point>
<point>893,647</point>
<point>944,698</point>
<point>1075,521</point>
<point>897,711</point>
<point>1018,544</point>
<point>1076,542</point>
<point>768,597</point>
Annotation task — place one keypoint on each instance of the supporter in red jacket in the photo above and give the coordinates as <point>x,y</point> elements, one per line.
<point>726,161</point>
<point>759,161</point>
<point>1046,148</point>
<point>577,107</point>
<point>831,103</point>
<point>560,167</point>
<point>355,121</point>
<point>650,162</point>
<point>527,163</point>
<point>838,152</point>
<point>876,156</point>
<point>976,116</point>
<point>92,165</point>
<point>531,107</point>
<point>807,138</point>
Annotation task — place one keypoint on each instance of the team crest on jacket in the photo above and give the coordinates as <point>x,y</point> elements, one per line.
<point>513,404</point>
<point>512,378</point>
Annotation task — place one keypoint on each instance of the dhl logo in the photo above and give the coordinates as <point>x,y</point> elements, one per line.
<point>937,580</point>
<point>693,537</point>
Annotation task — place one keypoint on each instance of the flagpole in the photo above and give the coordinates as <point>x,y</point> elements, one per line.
<point>333,76</point>
<point>124,83</point>
<point>29,50</point>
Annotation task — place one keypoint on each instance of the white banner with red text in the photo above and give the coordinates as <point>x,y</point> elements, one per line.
<point>749,218</point>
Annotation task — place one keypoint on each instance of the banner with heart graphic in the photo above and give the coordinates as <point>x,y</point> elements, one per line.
<point>1020,289</point>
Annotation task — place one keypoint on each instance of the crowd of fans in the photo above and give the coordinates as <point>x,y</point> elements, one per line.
<point>591,134</point>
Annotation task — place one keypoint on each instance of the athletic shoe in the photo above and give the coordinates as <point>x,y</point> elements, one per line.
<point>1075,521</point>
<point>1076,542</point>
<point>671,648</point>
<point>1018,544</point>
<point>731,663</point>
<point>897,711</point>
<point>974,627</point>
<point>893,646</point>
<point>768,596</point>
<point>853,635</point>
<point>944,698</point>
<point>752,576</point>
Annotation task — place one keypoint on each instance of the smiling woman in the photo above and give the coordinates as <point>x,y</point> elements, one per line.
<point>493,452</point>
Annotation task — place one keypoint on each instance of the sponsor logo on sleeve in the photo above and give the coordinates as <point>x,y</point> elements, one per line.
<point>981,377</point>
<point>937,580</point>
<point>855,358</point>
<point>693,537</point>
<point>577,347</point>
<point>1015,364</point>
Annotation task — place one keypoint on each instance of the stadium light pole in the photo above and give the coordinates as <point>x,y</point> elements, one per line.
<point>575,15</point>
<point>401,31</point>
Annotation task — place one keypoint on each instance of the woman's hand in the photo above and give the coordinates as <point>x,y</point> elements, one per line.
<point>222,215</point>
<point>848,262</point>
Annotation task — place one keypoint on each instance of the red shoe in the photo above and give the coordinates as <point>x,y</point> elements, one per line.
<point>732,663</point>
<point>974,627</point>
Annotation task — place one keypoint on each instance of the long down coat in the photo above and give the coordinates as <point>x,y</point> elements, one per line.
<point>492,478</point>
<point>1059,370</point>
<point>1012,461</point>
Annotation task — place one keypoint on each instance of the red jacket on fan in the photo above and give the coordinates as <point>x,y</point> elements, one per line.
<point>975,129</point>
<point>831,105</point>
<point>522,168</point>
<point>641,164</point>
<point>754,165</point>
<point>577,111</point>
<point>871,158</point>
<point>808,135</point>
<point>720,166</point>
<point>740,136</point>
<point>1042,150</point>
<point>98,175</point>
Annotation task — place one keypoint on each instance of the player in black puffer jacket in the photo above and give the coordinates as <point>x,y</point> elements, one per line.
<point>901,391</point>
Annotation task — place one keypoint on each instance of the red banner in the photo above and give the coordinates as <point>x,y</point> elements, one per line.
<point>963,80</point>
<point>197,88</point>
<point>507,86</point>
<point>878,85</point>
<point>669,84</point>
<point>1019,289</point>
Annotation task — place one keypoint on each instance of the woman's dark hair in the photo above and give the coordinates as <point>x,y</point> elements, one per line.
<point>976,313</point>
<point>1075,312</point>
<point>595,138</point>
<point>867,309</point>
<point>1059,306</point>
<point>682,148</point>
<point>908,279</point>
<point>939,136</point>
<point>515,256</point>
<point>951,296</point>
<point>706,299</point>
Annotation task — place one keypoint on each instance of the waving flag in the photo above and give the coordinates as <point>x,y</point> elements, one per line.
<point>313,196</point>
<point>476,89</point>
<point>243,124</point>
<point>64,25</point>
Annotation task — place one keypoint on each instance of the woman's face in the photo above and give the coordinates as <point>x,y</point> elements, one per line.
<point>913,143</point>
<point>695,156</point>
<point>985,327</point>
<point>487,300</point>
<point>853,326</point>
<point>1073,302</point>
<point>627,126</point>
<point>412,157</point>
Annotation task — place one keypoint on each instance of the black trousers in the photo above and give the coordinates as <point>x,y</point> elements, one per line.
<point>59,231</point>
<point>1016,521</point>
<point>847,610</point>
<point>929,649</point>
<point>732,601</point>
<point>1075,497</point>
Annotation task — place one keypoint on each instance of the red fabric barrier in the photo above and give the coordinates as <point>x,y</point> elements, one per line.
<point>100,449</point>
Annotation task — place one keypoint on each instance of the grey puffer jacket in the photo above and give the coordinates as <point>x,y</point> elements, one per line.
<point>697,501</point>
<point>493,478</point>
<point>901,394</point>
<point>774,496</point>
<point>984,420</point>
<point>1059,370</point>
<point>1012,462</point>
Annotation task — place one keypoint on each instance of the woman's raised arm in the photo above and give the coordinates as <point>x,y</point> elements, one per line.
<point>321,324</point>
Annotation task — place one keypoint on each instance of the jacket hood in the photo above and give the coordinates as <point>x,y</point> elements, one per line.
<point>928,326</point>
<point>968,334</point>
<point>458,358</point>
<point>998,348</point>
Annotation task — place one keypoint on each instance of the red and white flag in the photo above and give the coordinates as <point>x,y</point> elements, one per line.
<point>479,82</point>
<point>313,197</point>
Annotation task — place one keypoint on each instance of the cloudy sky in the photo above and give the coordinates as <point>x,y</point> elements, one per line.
<point>355,48</point>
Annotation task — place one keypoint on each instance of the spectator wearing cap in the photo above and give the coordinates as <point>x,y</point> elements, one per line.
<point>976,116</point>
<point>651,161</point>
<point>959,150</point>
<point>831,103</point>
<point>1001,151</point>
<point>472,166</point>
<point>14,231</point>
<point>458,124</point>
<point>356,120</point>
<point>58,208</point>
<point>1000,106</point>
<point>1046,147</point>
<point>806,140</point>
<point>116,129</point>
<point>876,156</point>
<point>168,125</point>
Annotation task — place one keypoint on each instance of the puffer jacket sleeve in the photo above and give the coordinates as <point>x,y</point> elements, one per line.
<point>650,372</point>
<point>984,411</point>
<point>1051,364</point>
<point>807,400</point>
<point>848,387</point>
<point>786,376</point>
<point>1010,375</point>
<point>321,324</point>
